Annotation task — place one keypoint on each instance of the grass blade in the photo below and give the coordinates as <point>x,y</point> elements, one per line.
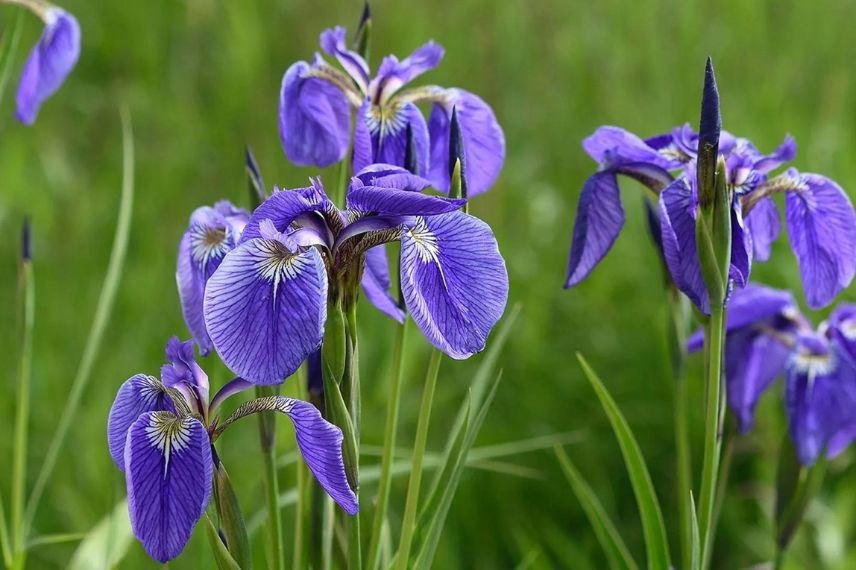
<point>107,543</point>
<point>607,535</point>
<point>656,541</point>
<point>434,517</point>
<point>99,323</point>
<point>8,49</point>
<point>695,541</point>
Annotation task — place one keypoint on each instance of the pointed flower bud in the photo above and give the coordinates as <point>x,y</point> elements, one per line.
<point>708,136</point>
<point>410,158</point>
<point>457,166</point>
<point>363,36</point>
<point>258,194</point>
<point>26,242</point>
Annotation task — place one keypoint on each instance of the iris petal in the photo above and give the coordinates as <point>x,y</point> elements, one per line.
<point>764,225</point>
<point>49,63</point>
<point>454,281</point>
<point>600,217</point>
<point>677,222</point>
<point>381,136</point>
<point>376,283</point>
<point>333,41</point>
<point>137,395</point>
<point>820,395</point>
<point>282,208</point>
<point>314,118</point>
<point>265,309</point>
<point>484,141</point>
<point>211,234</point>
<point>822,230</point>
<point>752,363</point>
<point>169,471</point>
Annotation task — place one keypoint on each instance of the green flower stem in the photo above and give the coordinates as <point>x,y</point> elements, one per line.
<point>267,438</point>
<point>408,523</point>
<point>714,336</point>
<point>22,417</point>
<point>352,382</point>
<point>304,497</point>
<point>677,331</point>
<point>5,546</point>
<point>389,445</point>
<point>722,484</point>
<point>99,322</point>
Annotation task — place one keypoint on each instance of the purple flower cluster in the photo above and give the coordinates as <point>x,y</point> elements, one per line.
<point>255,287</point>
<point>317,102</point>
<point>161,434</point>
<point>819,217</point>
<point>766,335</point>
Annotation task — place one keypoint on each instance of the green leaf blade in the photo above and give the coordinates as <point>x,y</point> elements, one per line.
<point>607,535</point>
<point>653,527</point>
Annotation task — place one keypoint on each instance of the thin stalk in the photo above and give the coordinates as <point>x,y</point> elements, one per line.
<point>713,436</point>
<point>352,369</point>
<point>390,432</point>
<point>99,322</point>
<point>304,498</point>
<point>329,522</point>
<point>722,484</point>
<point>342,184</point>
<point>408,523</point>
<point>5,546</point>
<point>677,330</point>
<point>267,437</point>
<point>22,417</point>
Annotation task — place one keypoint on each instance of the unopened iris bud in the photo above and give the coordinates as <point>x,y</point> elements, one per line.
<point>258,194</point>
<point>710,126</point>
<point>26,242</point>
<point>713,220</point>
<point>410,159</point>
<point>362,38</point>
<point>457,166</point>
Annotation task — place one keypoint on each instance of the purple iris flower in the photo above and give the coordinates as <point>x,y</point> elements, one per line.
<point>211,234</point>
<point>317,101</point>
<point>819,216</point>
<point>265,306</point>
<point>161,434</point>
<point>766,336</point>
<point>49,63</point>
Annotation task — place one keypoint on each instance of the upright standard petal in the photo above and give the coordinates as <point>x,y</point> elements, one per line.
<point>393,74</point>
<point>314,118</point>
<point>333,41</point>
<point>389,176</point>
<point>822,230</point>
<point>376,283</point>
<point>265,309</point>
<point>211,234</point>
<point>764,225</point>
<point>137,395</point>
<point>484,141</point>
<point>184,374</point>
<point>820,396</point>
<point>48,64</point>
<point>600,217</point>
<point>454,281</point>
<point>169,471</point>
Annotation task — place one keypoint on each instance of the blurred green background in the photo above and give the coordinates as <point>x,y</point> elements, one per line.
<point>201,79</point>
